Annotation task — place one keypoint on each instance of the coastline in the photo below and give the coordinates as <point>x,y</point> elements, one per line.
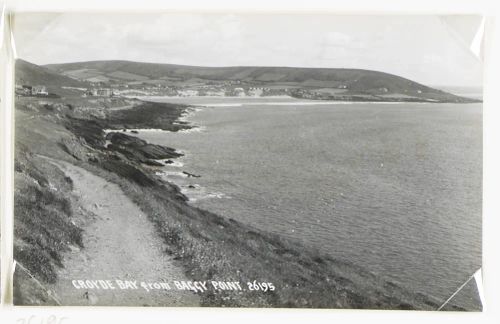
<point>286,100</point>
<point>354,98</point>
<point>208,246</point>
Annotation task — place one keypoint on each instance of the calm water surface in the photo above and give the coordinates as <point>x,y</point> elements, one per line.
<point>395,188</point>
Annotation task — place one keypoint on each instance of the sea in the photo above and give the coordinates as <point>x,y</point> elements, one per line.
<point>393,187</point>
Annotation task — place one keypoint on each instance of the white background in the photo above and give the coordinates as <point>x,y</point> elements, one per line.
<point>491,264</point>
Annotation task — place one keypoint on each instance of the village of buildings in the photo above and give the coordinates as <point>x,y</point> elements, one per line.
<point>233,88</point>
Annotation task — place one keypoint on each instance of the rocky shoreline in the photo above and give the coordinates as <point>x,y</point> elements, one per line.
<point>208,246</point>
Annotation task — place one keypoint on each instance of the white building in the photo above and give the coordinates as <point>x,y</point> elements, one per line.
<point>255,92</point>
<point>239,92</point>
<point>39,91</point>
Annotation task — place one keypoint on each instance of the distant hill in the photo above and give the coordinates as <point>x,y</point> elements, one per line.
<point>352,84</point>
<point>356,82</point>
<point>355,79</point>
<point>31,74</point>
<point>465,91</point>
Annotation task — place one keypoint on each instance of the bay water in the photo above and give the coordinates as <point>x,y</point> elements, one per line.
<point>393,187</point>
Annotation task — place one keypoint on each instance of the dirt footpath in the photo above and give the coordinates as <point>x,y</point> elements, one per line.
<point>120,243</point>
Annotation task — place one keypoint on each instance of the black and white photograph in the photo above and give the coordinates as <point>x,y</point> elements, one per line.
<point>256,160</point>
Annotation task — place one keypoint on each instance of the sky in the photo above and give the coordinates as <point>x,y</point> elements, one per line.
<point>433,50</point>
